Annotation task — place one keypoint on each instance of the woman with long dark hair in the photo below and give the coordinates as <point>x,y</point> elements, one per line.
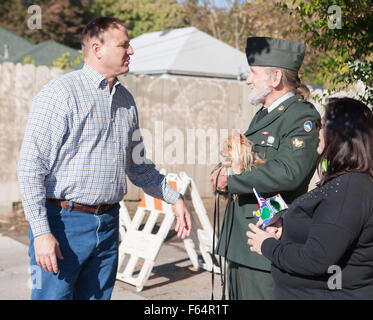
<point>323,246</point>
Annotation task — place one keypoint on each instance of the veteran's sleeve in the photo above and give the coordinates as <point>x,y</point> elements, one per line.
<point>293,163</point>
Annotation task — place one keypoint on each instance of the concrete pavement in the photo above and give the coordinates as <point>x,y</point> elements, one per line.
<point>173,276</point>
<point>13,270</point>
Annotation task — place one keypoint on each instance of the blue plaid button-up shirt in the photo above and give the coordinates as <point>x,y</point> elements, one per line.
<point>78,146</point>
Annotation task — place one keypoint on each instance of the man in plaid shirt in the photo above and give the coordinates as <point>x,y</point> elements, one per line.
<point>76,153</point>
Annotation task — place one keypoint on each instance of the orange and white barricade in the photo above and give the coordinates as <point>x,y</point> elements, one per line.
<point>202,237</point>
<point>144,245</point>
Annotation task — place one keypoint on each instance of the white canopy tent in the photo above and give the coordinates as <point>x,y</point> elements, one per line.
<point>188,52</point>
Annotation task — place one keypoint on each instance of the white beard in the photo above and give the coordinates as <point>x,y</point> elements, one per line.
<point>257,96</point>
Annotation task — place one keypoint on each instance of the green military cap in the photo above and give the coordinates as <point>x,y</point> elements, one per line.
<point>271,52</point>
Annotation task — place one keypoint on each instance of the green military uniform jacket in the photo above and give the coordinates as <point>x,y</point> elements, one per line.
<point>288,139</point>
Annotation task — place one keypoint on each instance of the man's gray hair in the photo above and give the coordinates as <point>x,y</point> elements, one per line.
<point>290,79</point>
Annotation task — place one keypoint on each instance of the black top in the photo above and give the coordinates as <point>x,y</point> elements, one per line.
<point>327,227</point>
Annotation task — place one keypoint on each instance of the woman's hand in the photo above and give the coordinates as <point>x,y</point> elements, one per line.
<point>257,236</point>
<point>275,229</point>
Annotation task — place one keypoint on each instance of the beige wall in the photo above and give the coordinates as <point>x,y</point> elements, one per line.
<point>18,84</point>
<point>180,105</point>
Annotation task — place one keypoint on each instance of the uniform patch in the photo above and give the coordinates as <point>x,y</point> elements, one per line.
<point>298,143</point>
<point>307,126</point>
<point>270,140</point>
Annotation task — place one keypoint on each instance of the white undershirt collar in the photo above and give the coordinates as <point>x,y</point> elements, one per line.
<point>280,100</point>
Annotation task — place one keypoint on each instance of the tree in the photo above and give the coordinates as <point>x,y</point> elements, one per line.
<point>240,19</point>
<point>205,16</point>
<point>343,31</point>
<point>65,62</point>
<point>140,16</point>
<point>62,20</point>
<point>28,60</point>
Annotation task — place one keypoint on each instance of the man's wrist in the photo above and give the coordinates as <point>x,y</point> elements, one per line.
<point>43,235</point>
<point>39,226</point>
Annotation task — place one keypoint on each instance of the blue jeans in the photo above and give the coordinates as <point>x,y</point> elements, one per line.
<point>89,246</point>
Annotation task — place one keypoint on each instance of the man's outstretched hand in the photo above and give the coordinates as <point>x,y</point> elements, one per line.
<point>183,221</point>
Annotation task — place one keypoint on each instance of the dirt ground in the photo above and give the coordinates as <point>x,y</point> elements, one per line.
<point>15,226</point>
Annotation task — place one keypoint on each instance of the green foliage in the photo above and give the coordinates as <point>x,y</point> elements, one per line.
<point>141,16</point>
<point>28,60</point>
<point>62,20</point>
<point>65,62</point>
<point>347,48</point>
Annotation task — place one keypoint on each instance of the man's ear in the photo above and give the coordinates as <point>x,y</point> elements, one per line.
<point>276,78</point>
<point>96,49</point>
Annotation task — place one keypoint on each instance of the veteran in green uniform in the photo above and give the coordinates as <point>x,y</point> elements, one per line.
<point>284,132</point>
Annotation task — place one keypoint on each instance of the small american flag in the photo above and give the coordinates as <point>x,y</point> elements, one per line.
<point>260,199</point>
